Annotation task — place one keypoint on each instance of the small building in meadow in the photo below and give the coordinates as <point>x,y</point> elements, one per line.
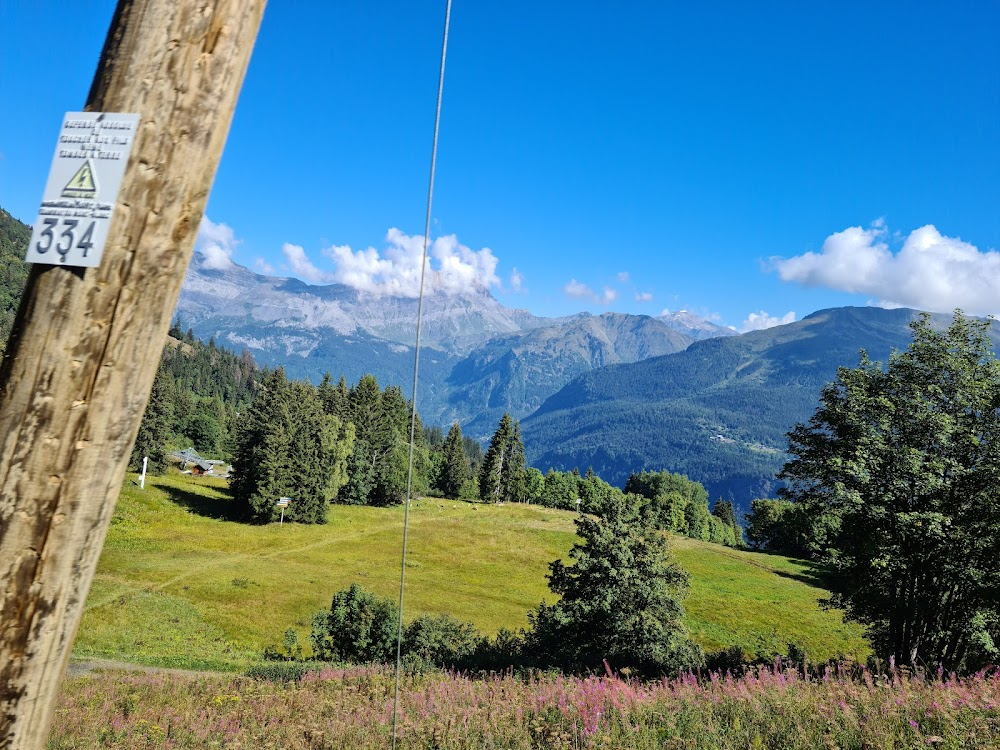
<point>200,468</point>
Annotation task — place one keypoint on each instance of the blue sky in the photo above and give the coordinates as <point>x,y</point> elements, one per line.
<point>727,158</point>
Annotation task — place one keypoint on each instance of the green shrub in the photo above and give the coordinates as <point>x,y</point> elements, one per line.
<point>360,627</point>
<point>440,640</point>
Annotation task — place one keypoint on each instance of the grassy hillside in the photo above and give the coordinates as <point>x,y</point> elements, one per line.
<point>180,585</point>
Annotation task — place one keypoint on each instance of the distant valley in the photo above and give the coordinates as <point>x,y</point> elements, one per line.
<point>718,411</point>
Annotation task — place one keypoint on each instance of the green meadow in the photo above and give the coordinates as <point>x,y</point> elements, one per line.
<point>181,585</point>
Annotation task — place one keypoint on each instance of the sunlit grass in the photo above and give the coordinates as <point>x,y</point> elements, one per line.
<point>180,585</point>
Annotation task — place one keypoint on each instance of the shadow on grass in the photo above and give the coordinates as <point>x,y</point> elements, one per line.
<point>222,508</point>
<point>816,576</point>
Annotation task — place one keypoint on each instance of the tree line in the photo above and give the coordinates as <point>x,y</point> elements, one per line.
<point>334,443</point>
<point>198,392</point>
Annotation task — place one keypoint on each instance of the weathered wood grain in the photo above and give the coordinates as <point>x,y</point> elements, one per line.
<point>86,343</point>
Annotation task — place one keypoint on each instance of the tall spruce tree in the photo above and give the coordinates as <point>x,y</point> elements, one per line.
<point>382,422</point>
<point>392,442</point>
<point>502,475</point>
<point>287,446</point>
<point>154,429</point>
<point>262,446</point>
<point>516,489</point>
<point>455,469</point>
<point>334,397</point>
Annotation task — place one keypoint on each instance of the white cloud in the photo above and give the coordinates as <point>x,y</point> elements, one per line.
<point>574,288</point>
<point>930,271</point>
<point>452,268</point>
<point>624,277</point>
<point>516,280</point>
<point>262,266</point>
<point>758,321</point>
<point>643,296</point>
<point>216,242</point>
<point>303,267</point>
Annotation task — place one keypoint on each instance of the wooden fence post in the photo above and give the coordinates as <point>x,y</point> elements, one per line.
<point>86,343</point>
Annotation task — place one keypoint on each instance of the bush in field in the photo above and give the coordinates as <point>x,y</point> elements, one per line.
<point>360,627</point>
<point>620,602</point>
<point>440,640</point>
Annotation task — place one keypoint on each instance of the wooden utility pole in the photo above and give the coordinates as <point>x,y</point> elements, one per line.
<point>86,342</point>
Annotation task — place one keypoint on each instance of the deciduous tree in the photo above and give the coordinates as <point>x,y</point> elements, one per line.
<point>905,460</point>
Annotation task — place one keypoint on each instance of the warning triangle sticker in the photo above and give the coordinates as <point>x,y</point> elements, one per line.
<point>83,184</point>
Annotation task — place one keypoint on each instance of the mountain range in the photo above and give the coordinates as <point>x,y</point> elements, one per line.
<point>478,358</point>
<point>720,410</point>
<point>615,392</point>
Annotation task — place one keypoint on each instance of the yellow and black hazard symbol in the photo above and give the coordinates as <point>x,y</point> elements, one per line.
<point>83,184</point>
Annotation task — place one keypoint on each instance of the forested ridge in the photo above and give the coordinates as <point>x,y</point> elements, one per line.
<point>719,411</point>
<point>14,238</point>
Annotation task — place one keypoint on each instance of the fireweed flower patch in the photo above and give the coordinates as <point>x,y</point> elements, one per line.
<point>352,708</point>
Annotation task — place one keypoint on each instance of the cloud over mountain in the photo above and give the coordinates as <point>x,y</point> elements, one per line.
<point>931,271</point>
<point>216,242</point>
<point>452,268</point>
<point>579,290</point>
<point>758,321</point>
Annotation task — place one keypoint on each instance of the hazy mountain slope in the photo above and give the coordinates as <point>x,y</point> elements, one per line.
<point>480,360</point>
<point>694,327</point>
<point>515,373</point>
<point>717,411</point>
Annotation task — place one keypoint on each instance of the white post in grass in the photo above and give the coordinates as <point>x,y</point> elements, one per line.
<point>282,503</point>
<point>142,479</point>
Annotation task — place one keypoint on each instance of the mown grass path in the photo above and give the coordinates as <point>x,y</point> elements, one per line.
<point>180,585</point>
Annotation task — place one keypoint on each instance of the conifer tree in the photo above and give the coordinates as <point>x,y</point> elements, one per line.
<point>155,426</point>
<point>390,444</point>
<point>287,446</point>
<point>326,393</point>
<point>516,484</point>
<point>455,469</point>
<point>620,602</point>
<point>334,397</point>
<point>502,475</point>
<point>382,435</point>
<point>262,445</point>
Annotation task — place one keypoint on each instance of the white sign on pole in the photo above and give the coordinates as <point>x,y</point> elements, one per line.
<point>82,189</point>
<point>282,503</point>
